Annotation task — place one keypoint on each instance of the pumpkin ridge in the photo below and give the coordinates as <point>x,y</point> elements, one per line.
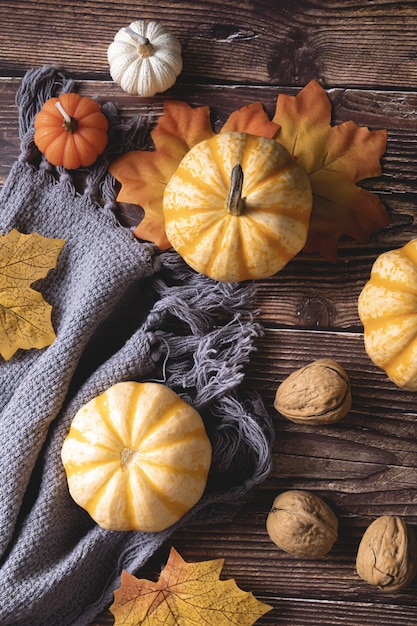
<point>263,181</point>
<point>242,252</point>
<point>254,144</point>
<point>146,74</point>
<point>134,403</point>
<point>179,469</point>
<point>130,513</point>
<point>168,412</point>
<point>70,101</point>
<point>217,158</point>
<point>90,504</point>
<point>188,177</point>
<point>217,225</point>
<point>410,251</point>
<point>176,507</point>
<point>376,323</point>
<point>78,436</point>
<point>223,226</point>
<point>401,356</point>
<point>84,108</point>
<point>48,111</point>
<point>89,466</point>
<point>103,408</point>
<point>393,284</point>
<point>284,211</point>
<point>59,143</point>
<point>270,236</point>
<point>100,140</point>
<point>94,119</point>
<point>45,136</point>
<point>196,433</point>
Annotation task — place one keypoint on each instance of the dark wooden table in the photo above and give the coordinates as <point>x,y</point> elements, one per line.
<point>364,53</point>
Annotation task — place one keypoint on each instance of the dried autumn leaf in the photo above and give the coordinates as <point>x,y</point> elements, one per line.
<point>335,159</point>
<point>251,119</point>
<point>25,317</point>
<point>187,594</point>
<point>143,175</point>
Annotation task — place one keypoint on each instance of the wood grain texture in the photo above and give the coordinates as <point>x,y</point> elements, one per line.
<point>263,42</point>
<point>365,54</point>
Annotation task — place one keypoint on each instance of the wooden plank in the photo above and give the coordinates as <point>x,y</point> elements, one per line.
<point>370,450</point>
<point>372,109</point>
<point>309,292</point>
<point>325,591</point>
<point>363,466</point>
<point>237,53</point>
<point>358,43</point>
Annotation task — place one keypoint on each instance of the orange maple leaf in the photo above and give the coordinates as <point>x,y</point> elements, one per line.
<point>143,175</point>
<point>335,158</point>
<point>251,119</point>
<point>25,317</point>
<point>187,594</point>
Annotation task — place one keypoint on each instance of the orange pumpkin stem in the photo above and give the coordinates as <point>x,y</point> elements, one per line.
<point>70,124</point>
<point>235,204</point>
<point>145,48</point>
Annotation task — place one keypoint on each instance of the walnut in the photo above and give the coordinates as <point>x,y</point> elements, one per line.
<point>318,393</point>
<point>387,554</point>
<point>302,524</point>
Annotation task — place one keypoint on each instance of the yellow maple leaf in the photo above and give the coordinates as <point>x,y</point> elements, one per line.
<point>25,317</point>
<point>335,159</point>
<point>189,594</point>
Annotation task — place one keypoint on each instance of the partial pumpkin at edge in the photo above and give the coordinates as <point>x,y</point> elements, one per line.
<point>387,308</point>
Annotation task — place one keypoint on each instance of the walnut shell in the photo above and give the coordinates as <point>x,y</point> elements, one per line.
<point>318,393</point>
<point>387,554</point>
<point>302,524</point>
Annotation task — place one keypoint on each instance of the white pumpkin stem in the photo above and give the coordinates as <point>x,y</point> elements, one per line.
<point>235,204</point>
<point>145,48</point>
<point>70,123</point>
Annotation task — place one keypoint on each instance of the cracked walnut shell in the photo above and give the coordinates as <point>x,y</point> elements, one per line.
<point>318,393</point>
<point>387,554</point>
<point>302,524</point>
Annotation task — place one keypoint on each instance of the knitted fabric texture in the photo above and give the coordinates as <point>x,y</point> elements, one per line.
<point>115,302</point>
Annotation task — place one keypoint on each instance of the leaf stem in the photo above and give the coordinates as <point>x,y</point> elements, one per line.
<point>235,204</point>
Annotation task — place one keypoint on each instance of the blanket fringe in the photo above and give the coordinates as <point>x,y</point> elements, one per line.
<point>38,86</point>
<point>205,364</point>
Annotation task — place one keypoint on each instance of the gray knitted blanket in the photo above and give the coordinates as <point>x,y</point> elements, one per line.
<point>115,302</point>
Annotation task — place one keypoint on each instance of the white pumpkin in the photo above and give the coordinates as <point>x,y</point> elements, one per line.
<point>136,457</point>
<point>144,58</point>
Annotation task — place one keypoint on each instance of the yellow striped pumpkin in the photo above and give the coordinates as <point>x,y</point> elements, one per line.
<point>137,457</point>
<point>238,207</point>
<point>387,307</point>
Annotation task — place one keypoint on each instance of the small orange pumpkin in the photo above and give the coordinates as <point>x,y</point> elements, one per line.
<point>71,130</point>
